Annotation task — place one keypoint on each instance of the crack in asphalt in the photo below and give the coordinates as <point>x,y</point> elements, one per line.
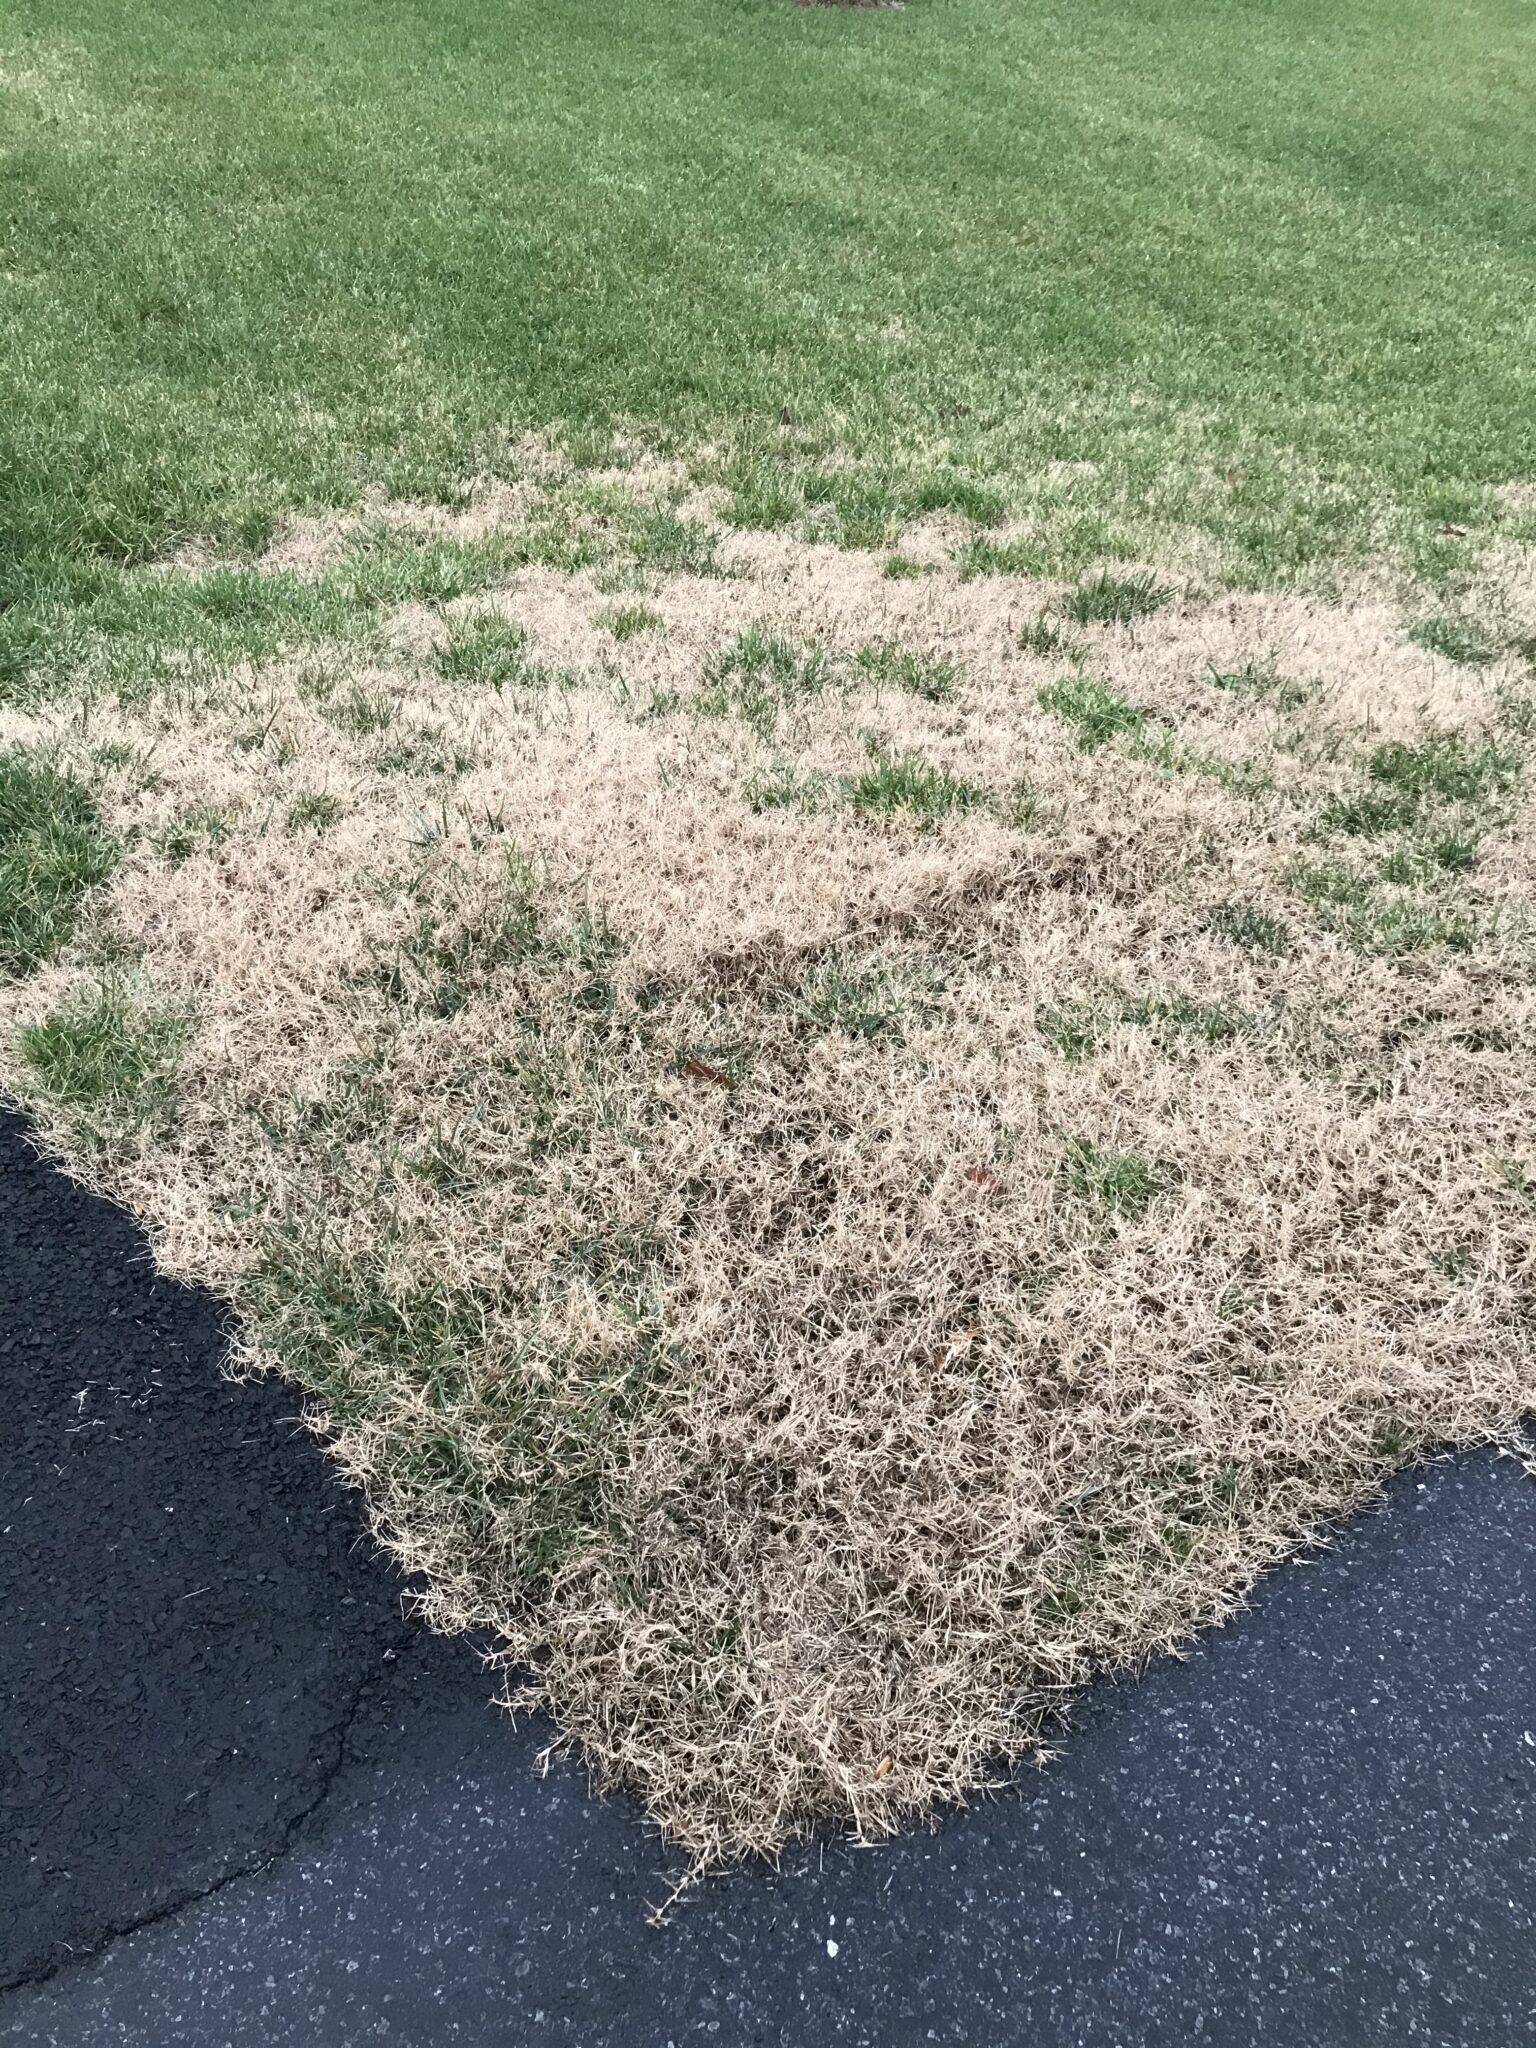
<point>1316,1826</point>
<point>194,1610</point>
<point>255,1866</point>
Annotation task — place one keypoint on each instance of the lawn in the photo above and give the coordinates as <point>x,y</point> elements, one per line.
<point>260,255</point>
<point>769,766</point>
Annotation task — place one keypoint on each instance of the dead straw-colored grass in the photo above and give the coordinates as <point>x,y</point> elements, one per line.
<point>820,1281</point>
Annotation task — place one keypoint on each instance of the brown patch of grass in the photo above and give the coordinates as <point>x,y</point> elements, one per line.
<point>822,1276</point>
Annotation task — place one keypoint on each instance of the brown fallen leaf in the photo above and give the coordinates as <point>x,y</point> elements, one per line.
<point>983,1176</point>
<point>701,1070</point>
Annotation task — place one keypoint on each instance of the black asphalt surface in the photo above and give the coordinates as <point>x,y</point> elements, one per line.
<point>245,1801</point>
<point>190,1607</point>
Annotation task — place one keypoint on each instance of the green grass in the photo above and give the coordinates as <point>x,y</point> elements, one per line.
<point>1406,781</point>
<point>1097,712</point>
<point>1259,682</point>
<point>1445,766</point>
<point>981,555</point>
<point>627,622</point>
<point>1077,1030</point>
<point>435,973</point>
<point>1122,1182</point>
<point>364,713</point>
<point>52,853</point>
<point>759,676</point>
<point>1366,813</point>
<point>902,668</point>
<point>1455,854</point>
<point>491,652</point>
<point>423,750</point>
<point>1376,919</point>
<point>197,832</point>
<point>761,495</point>
<point>661,541</point>
<point>133,631</point>
<point>861,1002</point>
<point>906,783</point>
<point>1267,270</point>
<point>1174,1018</point>
<point>106,1058</point>
<point>315,811</point>
<point>1106,600</point>
<point>860,508</point>
<point>1246,925</point>
<point>1456,639</point>
<point>1074,1031</point>
<point>344,1329</point>
<point>1046,635</point>
<point>864,508</point>
<point>947,491</point>
<point>781,789</point>
<point>386,568</point>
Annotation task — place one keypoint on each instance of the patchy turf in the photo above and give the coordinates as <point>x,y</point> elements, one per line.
<point>834,1163</point>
